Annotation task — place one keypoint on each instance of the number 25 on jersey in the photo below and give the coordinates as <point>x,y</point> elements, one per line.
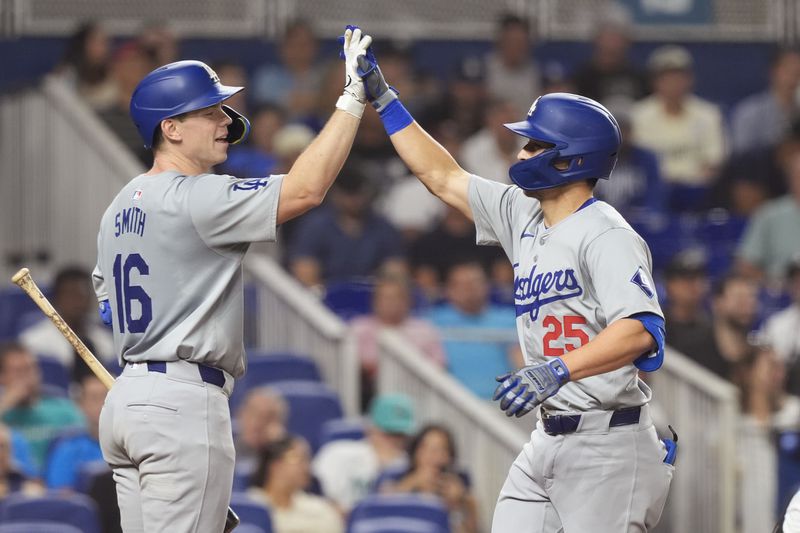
<point>136,320</point>
<point>563,330</point>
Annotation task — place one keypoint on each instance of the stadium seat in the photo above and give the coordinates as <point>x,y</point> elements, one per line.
<point>349,299</point>
<point>87,473</point>
<point>265,368</point>
<point>74,510</point>
<point>417,506</point>
<point>251,511</point>
<point>53,372</point>
<point>311,404</point>
<point>17,311</point>
<point>341,429</point>
<point>38,527</point>
<point>395,525</point>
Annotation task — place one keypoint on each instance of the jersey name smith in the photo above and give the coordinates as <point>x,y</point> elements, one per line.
<point>537,289</point>
<point>130,220</point>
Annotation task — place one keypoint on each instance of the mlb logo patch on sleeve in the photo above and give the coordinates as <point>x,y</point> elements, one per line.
<point>640,280</point>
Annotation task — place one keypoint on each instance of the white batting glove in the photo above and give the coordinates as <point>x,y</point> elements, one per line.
<point>354,97</point>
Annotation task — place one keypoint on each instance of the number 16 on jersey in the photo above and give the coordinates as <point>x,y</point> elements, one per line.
<point>135,318</point>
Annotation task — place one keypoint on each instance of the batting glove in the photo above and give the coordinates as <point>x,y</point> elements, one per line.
<point>354,44</point>
<point>519,392</point>
<point>379,93</point>
<point>105,312</point>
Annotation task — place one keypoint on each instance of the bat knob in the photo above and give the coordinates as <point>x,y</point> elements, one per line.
<point>23,272</point>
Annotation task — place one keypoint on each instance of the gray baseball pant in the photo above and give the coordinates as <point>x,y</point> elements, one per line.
<point>168,439</point>
<point>598,479</point>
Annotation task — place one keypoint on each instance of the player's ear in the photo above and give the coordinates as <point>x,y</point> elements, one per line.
<point>171,129</point>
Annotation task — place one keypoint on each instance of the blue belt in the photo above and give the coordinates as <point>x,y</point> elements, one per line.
<point>561,424</point>
<point>208,374</point>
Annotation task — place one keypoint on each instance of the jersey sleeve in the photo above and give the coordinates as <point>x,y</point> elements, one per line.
<point>99,283</point>
<point>227,210</point>
<point>620,266</point>
<point>493,209</point>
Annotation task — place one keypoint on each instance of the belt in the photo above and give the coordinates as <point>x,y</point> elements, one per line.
<point>561,424</point>
<point>208,374</point>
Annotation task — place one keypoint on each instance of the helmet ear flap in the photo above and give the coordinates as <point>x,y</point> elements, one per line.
<point>239,128</point>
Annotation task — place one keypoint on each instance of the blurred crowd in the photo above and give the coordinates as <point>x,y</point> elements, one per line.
<point>716,193</point>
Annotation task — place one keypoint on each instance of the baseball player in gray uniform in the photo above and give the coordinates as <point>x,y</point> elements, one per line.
<point>587,315</point>
<point>169,278</point>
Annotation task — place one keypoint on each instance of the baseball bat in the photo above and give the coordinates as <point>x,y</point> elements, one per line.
<point>25,282</point>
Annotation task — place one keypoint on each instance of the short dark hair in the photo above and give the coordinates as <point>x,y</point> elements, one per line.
<point>10,347</point>
<point>70,274</point>
<point>510,20</point>
<point>722,284</point>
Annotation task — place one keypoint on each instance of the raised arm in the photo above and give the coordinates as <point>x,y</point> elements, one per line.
<point>427,159</point>
<point>313,173</point>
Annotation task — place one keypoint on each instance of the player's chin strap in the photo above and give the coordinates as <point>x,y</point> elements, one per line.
<point>239,128</point>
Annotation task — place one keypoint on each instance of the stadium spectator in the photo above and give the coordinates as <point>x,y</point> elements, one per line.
<point>159,42</point>
<point>409,207</point>
<point>494,148</point>
<point>233,74</point>
<point>455,234</point>
<point>465,320</point>
<point>511,72</point>
<point>752,177</point>
<point>690,328</point>
<point>347,469</point>
<point>637,189</point>
<point>772,238</point>
<point>281,479</point>
<point>256,158</point>
<point>610,74</point>
<point>464,99</point>
<point>22,406</point>
<point>288,143</point>
<point>685,131</point>
<point>260,420</point>
<point>763,119</point>
<point>766,408</point>
<point>295,82</point>
<point>735,311</point>
<point>433,470</point>
<point>782,330</point>
<point>69,454</point>
<point>86,66</point>
<point>74,300</point>
<point>12,479</point>
<point>130,64</point>
<point>392,301</point>
<point>346,238</point>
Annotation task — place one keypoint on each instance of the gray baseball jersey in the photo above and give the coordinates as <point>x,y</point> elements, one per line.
<point>570,282</point>
<point>170,249</point>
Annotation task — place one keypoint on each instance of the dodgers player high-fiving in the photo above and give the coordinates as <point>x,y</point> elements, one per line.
<point>587,316</point>
<point>169,278</point>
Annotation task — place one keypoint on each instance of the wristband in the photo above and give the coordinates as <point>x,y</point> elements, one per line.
<point>395,117</point>
<point>348,103</point>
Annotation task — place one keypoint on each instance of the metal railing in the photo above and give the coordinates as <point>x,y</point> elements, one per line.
<point>704,410</point>
<point>292,318</point>
<point>61,168</point>
<point>487,441</point>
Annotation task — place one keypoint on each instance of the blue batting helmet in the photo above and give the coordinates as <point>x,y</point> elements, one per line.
<point>178,88</point>
<point>583,134</point>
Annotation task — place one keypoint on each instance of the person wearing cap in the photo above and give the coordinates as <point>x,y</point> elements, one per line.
<point>346,469</point>
<point>494,148</point>
<point>690,328</point>
<point>685,131</point>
